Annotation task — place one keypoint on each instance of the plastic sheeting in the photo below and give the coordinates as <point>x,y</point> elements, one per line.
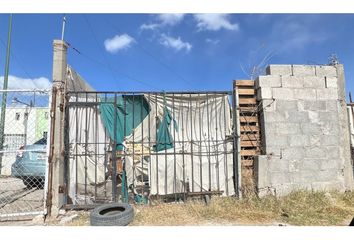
<point>201,146</point>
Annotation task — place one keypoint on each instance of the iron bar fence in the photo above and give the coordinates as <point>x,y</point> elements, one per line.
<point>138,146</point>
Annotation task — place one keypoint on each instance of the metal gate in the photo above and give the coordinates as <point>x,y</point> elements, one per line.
<point>138,146</point>
<point>24,127</point>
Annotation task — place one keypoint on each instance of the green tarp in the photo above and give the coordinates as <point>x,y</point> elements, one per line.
<point>130,112</point>
<point>164,139</point>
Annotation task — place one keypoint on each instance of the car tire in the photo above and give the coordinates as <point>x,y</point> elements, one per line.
<point>113,214</point>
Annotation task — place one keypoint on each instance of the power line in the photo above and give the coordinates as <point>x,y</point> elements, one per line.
<point>104,65</point>
<point>15,58</point>
<point>179,76</point>
<point>97,43</point>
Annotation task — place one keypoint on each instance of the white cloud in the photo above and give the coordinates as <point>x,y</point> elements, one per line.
<point>170,18</point>
<point>214,22</point>
<point>118,42</point>
<point>175,43</point>
<point>26,83</point>
<point>212,41</point>
<point>165,19</point>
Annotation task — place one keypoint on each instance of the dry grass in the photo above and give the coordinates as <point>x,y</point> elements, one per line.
<point>298,208</point>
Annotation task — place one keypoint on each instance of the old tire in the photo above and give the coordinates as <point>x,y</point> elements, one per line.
<point>113,214</point>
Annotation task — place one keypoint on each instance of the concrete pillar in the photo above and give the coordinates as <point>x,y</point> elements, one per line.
<point>57,171</point>
<point>345,152</point>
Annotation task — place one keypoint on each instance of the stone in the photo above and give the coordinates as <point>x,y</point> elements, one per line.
<point>276,116</point>
<point>268,81</point>
<point>283,94</point>
<point>39,219</point>
<point>311,164</point>
<point>330,140</point>
<point>328,164</point>
<point>279,70</point>
<point>292,82</point>
<point>326,71</point>
<point>68,219</point>
<point>331,82</point>
<point>310,128</point>
<point>304,70</point>
<point>314,82</point>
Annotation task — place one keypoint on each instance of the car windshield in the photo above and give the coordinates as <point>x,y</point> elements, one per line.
<point>42,141</point>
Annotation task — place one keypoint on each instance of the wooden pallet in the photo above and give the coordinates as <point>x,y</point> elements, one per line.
<point>249,121</point>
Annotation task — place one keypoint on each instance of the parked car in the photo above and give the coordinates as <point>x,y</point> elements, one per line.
<point>30,164</point>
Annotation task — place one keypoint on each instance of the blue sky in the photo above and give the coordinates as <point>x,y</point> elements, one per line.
<point>173,52</point>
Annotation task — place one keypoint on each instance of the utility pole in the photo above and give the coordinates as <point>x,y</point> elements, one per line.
<point>4,94</point>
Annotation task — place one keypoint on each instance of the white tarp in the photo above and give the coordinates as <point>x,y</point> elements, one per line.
<point>202,117</point>
<point>198,117</point>
<point>88,166</point>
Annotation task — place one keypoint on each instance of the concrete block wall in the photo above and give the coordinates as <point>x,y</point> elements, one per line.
<point>304,129</point>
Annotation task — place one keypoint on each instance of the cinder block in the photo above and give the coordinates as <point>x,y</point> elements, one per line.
<point>297,116</point>
<point>298,140</point>
<point>305,93</point>
<point>304,70</point>
<point>276,116</point>
<point>331,82</point>
<point>264,93</point>
<point>333,153</point>
<point>283,93</point>
<point>327,94</point>
<point>315,140</point>
<point>273,140</point>
<point>268,81</point>
<point>314,116</point>
<point>311,164</point>
<point>295,165</point>
<point>277,178</point>
<point>327,164</point>
<point>315,152</point>
<point>328,116</point>
<point>330,140</point>
<point>314,82</point>
<point>327,175</point>
<point>332,105</point>
<point>261,171</point>
<point>314,105</point>
<point>329,128</point>
<point>286,105</point>
<point>293,153</point>
<point>288,128</point>
<point>275,164</point>
<point>279,70</point>
<point>268,105</point>
<point>310,128</point>
<point>292,81</point>
<point>326,71</point>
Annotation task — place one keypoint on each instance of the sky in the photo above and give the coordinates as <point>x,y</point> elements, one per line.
<point>172,52</point>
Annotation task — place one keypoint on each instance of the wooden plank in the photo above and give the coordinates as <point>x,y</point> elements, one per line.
<point>250,137</point>
<point>247,109</point>
<point>249,143</point>
<point>245,83</point>
<point>248,119</point>
<point>247,163</point>
<point>249,128</point>
<point>249,152</point>
<point>246,91</point>
<point>247,101</point>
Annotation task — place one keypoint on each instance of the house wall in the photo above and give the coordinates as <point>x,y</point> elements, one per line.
<point>305,130</point>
